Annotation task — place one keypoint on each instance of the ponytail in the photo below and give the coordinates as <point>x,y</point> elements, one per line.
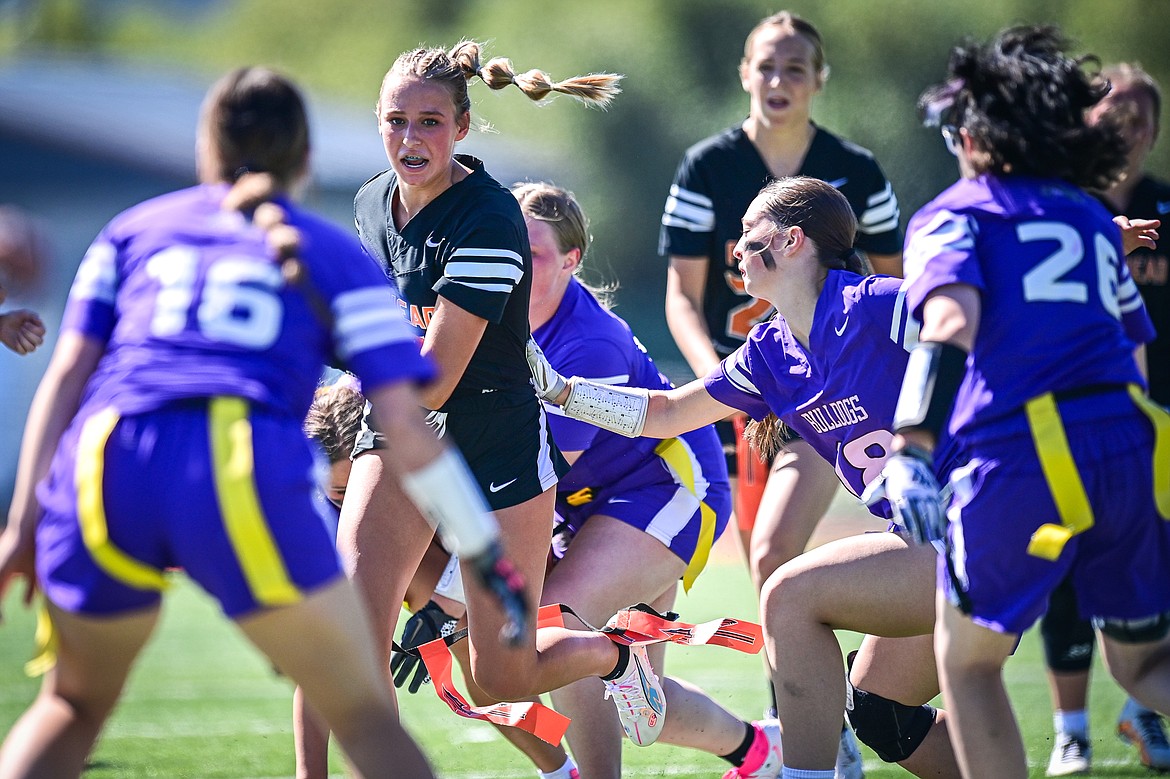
<point>454,68</point>
<point>766,436</point>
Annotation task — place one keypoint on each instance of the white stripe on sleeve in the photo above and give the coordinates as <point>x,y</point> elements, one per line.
<point>97,275</point>
<point>367,318</point>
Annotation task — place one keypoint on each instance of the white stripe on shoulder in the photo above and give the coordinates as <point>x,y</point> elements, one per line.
<point>459,270</point>
<point>688,214</point>
<point>503,254</point>
<point>97,275</point>
<point>367,318</point>
<point>736,371</point>
<point>691,196</point>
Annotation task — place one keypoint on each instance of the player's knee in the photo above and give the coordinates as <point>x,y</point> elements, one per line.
<point>1068,638</point>
<point>892,730</point>
<point>500,681</point>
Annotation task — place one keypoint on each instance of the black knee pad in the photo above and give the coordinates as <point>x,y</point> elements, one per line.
<point>1068,637</point>
<point>893,730</point>
<point>1135,631</point>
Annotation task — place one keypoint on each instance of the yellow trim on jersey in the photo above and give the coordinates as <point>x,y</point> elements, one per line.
<point>1060,472</point>
<point>45,656</point>
<point>243,519</point>
<point>674,454</point>
<point>91,512</point>
<point>1160,419</point>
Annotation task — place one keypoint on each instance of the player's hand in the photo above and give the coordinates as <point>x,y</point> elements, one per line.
<point>425,625</point>
<point>17,560</point>
<point>499,577</point>
<point>907,481</point>
<point>549,384</point>
<point>1138,233</point>
<point>22,331</point>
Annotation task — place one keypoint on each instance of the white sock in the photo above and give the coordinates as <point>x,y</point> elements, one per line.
<point>564,772</point>
<point>804,773</point>
<point>1073,722</point>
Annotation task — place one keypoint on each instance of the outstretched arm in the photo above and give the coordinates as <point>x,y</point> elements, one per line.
<point>630,411</point>
<point>56,402</point>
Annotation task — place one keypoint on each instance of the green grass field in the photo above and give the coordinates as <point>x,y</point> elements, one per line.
<point>202,703</point>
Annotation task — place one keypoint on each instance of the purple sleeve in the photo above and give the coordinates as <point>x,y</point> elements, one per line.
<point>1139,328</point>
<point>732,383</point>
<point>599,361</point>
<point>90,307</point>
<point>940,250</point>
<point>369,333</point>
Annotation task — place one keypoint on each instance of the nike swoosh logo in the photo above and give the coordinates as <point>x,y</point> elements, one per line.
<point>432,244</point>
<point>497,487</point>
<point>841,329</point>
<point>838,183</point>
<point>1163,206</point>
<point>620,500</point>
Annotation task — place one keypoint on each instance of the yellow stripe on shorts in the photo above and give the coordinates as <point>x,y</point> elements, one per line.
<point>1064,482</point>
<point>674,454</point>
<point>243,519</point>
<point>1160,419</point>
<point>45,654</point>
<point>91,510</point>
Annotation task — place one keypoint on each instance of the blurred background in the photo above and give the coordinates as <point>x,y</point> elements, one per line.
<point>99,99</point>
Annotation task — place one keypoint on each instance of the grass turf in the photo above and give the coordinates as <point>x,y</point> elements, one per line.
<point>202,703</point>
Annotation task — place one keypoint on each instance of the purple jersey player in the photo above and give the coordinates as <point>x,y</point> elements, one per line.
<point>830,365</point>
<point>1030,320</point>
<point>167,434</point>
<point>643,513</point>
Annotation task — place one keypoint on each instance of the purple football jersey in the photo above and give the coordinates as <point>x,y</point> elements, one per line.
<point>839,393</point>
<point>584,339</point>
<point>190,302</point>
<point>1060,310</point>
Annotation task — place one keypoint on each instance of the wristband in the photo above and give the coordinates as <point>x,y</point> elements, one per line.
<point>620,410</point>
<point>933,375</point>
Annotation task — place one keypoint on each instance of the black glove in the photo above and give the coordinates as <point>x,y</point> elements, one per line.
<point>499,577</point>
<point>425,625</point>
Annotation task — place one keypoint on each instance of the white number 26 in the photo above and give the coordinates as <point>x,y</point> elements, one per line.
<point>1046,281</point>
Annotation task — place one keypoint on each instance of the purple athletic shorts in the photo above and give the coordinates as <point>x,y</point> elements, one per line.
<point>651,498</point>
<point>1119,566</point>
<point>203,486</point>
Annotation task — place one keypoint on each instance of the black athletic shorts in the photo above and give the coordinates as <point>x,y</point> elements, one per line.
<point>504,438</point>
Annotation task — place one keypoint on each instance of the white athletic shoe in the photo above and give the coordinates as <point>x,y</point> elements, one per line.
<point>848,757</point>
<point>1146,732</point>
<point>640,702</point>
<point>1070,755</point>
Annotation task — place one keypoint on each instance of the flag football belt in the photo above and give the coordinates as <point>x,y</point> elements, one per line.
<point>639,624</point>
<point>1060,471</point>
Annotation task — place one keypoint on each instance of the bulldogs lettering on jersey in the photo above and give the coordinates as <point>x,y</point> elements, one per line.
<point>838,393</point>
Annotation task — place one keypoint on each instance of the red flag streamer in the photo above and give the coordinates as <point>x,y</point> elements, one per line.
<point>534,718</point>
<point>630,626</point>
<point>643,625</point>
